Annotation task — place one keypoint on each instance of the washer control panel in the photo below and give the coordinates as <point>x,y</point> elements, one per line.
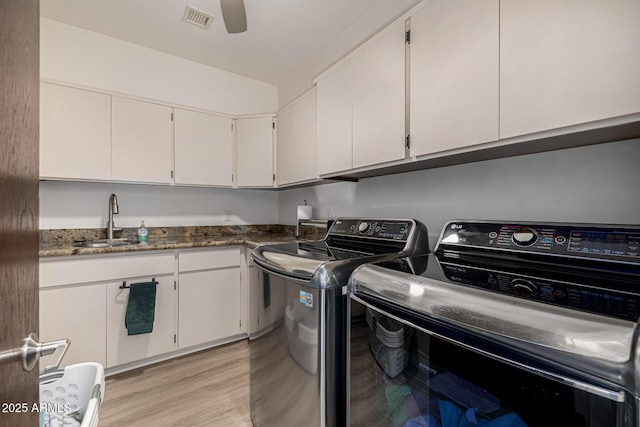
<point>373,228</point>
<point>586,241</point>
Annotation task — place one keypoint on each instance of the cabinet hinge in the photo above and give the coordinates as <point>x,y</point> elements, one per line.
<point>408,143</point>
<point>231,126</point>
<point>407,37</point>
<point>273,125</point>
<point>274,177</point>
<point>232,177</point>
<point>171,116</point>
<point>240,322</point>
<point>171,174</point>
<point>175,338</point>
<point>175,285</point>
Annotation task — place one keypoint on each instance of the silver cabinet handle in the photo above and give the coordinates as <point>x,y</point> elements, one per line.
<point>31,351</point>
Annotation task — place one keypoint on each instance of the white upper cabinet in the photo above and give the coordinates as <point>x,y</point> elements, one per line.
<point>75,133</point>
<point>361,106</point>
<point>567,62</point>
<point>142,141</point>
<point>335,119</point>
<point>297,141</point>
<point>454,75</point>
<point>203,149</point>
<point>254,152</point>
<point>379,99</point>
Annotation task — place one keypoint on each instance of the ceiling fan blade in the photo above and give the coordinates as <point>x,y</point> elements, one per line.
<point>234,15</point>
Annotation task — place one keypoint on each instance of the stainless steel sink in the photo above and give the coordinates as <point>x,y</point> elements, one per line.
<point>105,243</point>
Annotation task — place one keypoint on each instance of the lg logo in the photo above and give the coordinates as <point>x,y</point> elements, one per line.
<point>456,226</point>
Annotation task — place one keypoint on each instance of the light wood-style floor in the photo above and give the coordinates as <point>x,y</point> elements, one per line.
<point>209,388</point>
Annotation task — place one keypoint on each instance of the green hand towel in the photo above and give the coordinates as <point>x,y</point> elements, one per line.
<point>141,308</point>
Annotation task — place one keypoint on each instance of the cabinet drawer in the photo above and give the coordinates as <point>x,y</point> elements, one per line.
<point>204,260</point>
<point>103,269</point>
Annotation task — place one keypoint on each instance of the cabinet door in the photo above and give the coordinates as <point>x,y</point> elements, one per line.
<point>142,141</point>
<point>454,75</point>
<point>75,133</point>
<point>254,141</point>
<point>123,348</point>
<point>335,119</point>
<point>297,141</point>
<point>77,313</point>
<point>209,306</point>
<point>379,99</point>
<point>568,62</point>
<point>203,149</point>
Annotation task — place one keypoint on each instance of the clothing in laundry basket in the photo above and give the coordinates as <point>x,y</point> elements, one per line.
<point>141,308</point>
<point>464,393</point>
<point>453,416</point>
<point>399,405</point>
<point>57,419</point>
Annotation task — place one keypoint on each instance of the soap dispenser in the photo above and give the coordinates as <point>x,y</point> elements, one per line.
<point>143,233</point>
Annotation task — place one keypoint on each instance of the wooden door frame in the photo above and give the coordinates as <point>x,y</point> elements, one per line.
<point>19,141</point>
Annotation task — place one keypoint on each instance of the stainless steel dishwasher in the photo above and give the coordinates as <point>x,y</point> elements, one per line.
<point>298,356</point>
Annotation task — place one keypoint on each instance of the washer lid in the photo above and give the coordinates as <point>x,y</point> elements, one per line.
<point>298,259</point>
<point>538,326</point>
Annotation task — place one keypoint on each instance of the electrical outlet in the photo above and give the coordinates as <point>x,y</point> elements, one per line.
<point>227,216</point>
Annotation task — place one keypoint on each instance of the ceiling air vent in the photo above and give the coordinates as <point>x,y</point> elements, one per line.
<point>197,17</point>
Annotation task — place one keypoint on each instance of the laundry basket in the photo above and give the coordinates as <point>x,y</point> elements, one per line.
<point>303,338</point>
<point>74,392</point>
<point>389,341</point>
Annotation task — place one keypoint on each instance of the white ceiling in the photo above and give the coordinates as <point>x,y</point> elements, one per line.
<point>281,34</point>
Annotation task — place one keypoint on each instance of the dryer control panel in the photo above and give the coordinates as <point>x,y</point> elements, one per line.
<point>388,229</point>
<point>572,240</point>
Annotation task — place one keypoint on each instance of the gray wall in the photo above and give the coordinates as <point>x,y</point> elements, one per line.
<point>598,184</point>
<point>84,205</point>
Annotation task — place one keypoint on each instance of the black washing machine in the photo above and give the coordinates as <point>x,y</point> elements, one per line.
<point>505,325</point>
<point>298,353</point>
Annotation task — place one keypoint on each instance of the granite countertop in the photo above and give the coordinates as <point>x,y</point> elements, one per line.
<point>61,242</point>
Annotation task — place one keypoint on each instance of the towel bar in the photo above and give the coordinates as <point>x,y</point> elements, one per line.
<point>125,286</point>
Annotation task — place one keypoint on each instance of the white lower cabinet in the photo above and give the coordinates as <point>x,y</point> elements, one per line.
<point>123,348</point>
<point>80,299</point>
<point>201,303</point>
<point>209,306</point>
<point>79,314</point>
<point>210,296</point>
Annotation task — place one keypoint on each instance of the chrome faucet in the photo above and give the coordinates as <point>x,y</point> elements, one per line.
<point>113,209</point>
